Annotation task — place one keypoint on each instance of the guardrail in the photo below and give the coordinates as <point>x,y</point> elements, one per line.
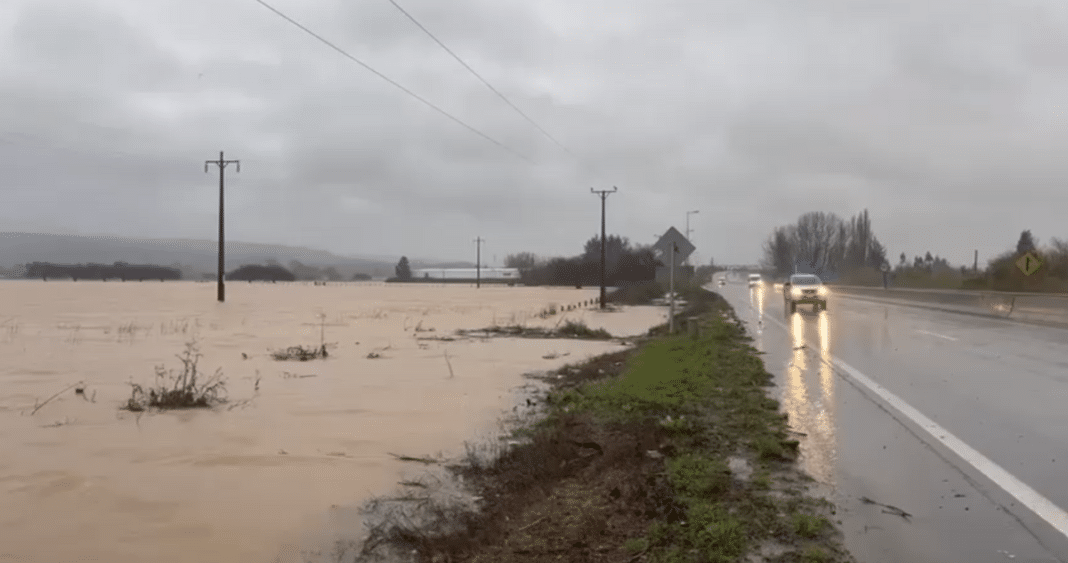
<point>1048,309</point>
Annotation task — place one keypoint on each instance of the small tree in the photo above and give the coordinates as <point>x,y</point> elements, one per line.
<point>404,270</point>
<point>524,261</point>
<point>1026,243</point>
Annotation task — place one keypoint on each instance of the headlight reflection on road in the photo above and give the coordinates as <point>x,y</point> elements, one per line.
<point>813,415</point>
<point>756,299</point>
<point>825,334</point>
<point>826,369</point>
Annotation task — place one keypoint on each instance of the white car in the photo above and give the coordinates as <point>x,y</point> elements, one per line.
<point>755,280</point>
<point>803,289</point>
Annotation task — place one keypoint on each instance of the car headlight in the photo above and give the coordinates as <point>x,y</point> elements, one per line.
<point>795,292</point>
<point>823,290</point>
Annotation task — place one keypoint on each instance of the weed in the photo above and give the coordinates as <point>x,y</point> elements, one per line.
<point>636,545</point>
<point>179,391</point>
<point>814,554</point>
<point>808,526</point>
<point>714,532</point>
<point>300,353</point>
<point>127,331</point>
<point>38,405</point>
<point>579,329</point>
<point>10,327</point>
<point>695,476</point>
<point>177,326</point>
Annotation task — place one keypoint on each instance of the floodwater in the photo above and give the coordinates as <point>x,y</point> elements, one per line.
<point>252,480</point>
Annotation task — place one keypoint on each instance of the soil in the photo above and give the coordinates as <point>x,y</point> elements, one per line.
<point>577,493</point>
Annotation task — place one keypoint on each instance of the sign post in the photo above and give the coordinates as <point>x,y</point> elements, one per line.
<point>671,313</point>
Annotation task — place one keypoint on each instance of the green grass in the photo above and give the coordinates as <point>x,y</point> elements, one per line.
<point>814,554</point>
<point>809,526</point>
<point>709,397</point>
<point>580,330</point>
<point>636,545</point>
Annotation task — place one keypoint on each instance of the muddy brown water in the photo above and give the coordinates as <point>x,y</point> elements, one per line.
<point>258,479</point>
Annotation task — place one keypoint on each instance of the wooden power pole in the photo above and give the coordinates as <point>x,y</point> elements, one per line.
<point>604,196</point>
<point>478,261</point>
<point>221,163</point>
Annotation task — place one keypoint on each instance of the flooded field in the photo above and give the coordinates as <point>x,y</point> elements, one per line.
<point>296,444</point>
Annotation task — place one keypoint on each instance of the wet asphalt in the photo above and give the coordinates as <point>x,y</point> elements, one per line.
<point>1001,387</point>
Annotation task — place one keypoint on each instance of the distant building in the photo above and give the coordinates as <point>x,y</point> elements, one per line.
<point>458,274</point>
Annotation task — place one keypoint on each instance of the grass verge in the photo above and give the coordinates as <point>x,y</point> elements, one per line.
<point>667,453</point>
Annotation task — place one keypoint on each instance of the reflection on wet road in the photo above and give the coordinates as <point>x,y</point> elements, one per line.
<point>945,368</point>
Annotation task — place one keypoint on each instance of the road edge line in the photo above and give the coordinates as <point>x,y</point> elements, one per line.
<point>1047,522</point>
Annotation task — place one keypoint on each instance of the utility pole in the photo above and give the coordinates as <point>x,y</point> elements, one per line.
<point>604,196</point>
<point>688,213</point>
<point>975,266</point>
<point>221,163</point>
<point>478,261</point>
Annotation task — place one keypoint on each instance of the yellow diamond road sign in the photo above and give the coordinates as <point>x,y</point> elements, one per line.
<point>1029,263</point>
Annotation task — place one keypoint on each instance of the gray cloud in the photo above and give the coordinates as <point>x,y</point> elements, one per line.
<point>943,117</point>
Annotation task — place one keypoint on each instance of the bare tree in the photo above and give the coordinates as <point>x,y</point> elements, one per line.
<point>816,235</point>
<point>779,251</point>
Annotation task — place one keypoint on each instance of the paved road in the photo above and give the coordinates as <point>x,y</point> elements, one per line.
<point>1000,387</point>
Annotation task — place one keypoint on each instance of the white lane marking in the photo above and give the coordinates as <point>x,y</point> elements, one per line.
<point>936,334</point>
<point>1053,515</point>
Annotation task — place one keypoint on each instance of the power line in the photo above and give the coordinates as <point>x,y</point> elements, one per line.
<point>478,76</point>
<point>394,83</point>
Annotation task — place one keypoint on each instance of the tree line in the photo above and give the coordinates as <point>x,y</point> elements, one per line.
<point>849,252</point>
<point>625,263</point>
<point>141,272</point>
<point>826,245</point>
<point>117,271</point>
<point>275,272</point>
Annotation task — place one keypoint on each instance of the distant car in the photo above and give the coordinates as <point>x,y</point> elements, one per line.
<point>755,280</point>
<point>722,282</point>
<point>805,289</point>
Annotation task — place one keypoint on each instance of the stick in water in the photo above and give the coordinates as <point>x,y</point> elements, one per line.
<point>65,389</point>
<point>451,374</point>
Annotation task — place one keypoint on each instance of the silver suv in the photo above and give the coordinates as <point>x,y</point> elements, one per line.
<point>805,289</point>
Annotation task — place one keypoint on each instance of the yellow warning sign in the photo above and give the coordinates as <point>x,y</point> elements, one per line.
<point>1029,263</point>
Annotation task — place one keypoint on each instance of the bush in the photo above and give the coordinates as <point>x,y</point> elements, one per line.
<point>573,328</point>
<point>179,391</point>
<point>641,293</point>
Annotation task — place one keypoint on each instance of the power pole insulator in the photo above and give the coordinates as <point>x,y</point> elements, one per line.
<point>221,163</point>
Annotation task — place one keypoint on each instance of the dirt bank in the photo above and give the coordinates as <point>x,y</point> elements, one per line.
<point>670,451</point>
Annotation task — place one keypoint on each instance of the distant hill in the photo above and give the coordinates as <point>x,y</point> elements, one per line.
<point>193,257</point>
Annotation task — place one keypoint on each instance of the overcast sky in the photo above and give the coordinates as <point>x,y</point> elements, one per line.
<point>945,118</point>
